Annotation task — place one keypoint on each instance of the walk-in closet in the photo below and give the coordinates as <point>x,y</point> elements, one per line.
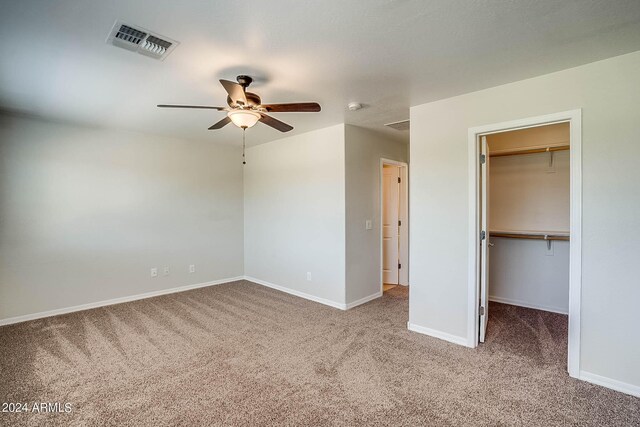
<point>528,214</point>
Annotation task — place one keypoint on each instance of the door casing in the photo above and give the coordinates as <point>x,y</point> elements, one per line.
<point>574,118</point>
<point>404,215</point>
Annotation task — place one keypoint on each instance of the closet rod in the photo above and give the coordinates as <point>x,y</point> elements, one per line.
<point>534,236</point>
<point>519,151</point>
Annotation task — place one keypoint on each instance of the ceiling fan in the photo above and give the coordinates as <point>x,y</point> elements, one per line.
<point>246,109</point>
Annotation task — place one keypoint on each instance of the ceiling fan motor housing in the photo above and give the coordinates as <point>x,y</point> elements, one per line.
<point>252,99</point>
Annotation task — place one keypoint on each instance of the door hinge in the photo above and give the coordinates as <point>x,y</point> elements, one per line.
<point>483,159</point>
<point>483,235</point>
<point>399,266</point>
<point>481,311</point>
<point>399,223</point>
<point>399,180</point>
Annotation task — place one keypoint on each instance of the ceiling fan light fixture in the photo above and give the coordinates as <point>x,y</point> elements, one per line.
<point>244,118</point>
<point>246,108</point>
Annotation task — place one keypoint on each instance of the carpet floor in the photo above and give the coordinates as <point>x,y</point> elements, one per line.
<point>243,354</point>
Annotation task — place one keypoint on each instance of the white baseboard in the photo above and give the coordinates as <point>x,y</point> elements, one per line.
<point>616,385</point>
<point>519,303</point>
<point>438,334</point>
<point>363,300</point>
<point>49,313</point>
<point>310,297</point>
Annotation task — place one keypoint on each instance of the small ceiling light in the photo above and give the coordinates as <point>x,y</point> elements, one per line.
<point>354,106</point>
<point>243,118</point>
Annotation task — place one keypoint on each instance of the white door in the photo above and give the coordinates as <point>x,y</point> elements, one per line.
<point>403,217</point>
<point>484,242</point>
<point>390,229</point>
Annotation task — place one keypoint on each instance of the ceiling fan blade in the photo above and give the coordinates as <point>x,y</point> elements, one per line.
<point>222,123</point>
<point>296,107</point>
<point>275,123</point>
<point>192,106</point>
<point>235,91</point>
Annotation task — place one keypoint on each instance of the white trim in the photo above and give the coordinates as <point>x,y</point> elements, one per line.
<point>437,334</point>
<point>309,297</point>
<point>616,385</point>
<point>473,255</point>
<point>82,307</point>
<point>575,248</point>
<point>574,117</point>
<point>529,122</point>
<point>384,160</point>
<point>363,300</point>
<point>525,304</point>
<point>404,165</point>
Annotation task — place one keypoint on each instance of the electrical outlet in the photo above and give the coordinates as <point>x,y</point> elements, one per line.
<point>308,275</point>
<point>166,271</point>
<point>192,268</point>
<point>154,272</point>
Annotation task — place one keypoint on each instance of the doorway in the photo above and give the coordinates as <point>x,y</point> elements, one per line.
<point>538,224</point>
<point>394,224</point>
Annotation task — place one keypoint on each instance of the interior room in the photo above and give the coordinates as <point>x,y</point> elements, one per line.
<point>526,201</point>
<point>381,212</point>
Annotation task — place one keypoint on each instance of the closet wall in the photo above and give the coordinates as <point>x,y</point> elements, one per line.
<point>529,193</point>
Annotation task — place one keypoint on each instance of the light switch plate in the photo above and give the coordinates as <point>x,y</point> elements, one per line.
<point>368,224</point>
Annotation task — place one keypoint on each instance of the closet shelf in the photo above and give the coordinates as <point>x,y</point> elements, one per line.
<point>519,151</point>
<point>534,235</point>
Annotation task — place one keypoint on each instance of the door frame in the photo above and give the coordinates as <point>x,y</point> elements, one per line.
<point>574,118</point>
<point>404,193</point>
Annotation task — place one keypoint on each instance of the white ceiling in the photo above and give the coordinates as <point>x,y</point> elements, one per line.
<point>386,54</point>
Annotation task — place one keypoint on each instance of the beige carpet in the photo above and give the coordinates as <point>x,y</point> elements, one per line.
<point>242,354</point>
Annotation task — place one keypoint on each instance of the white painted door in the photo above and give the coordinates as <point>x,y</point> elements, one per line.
<point>390,229</point>
<point>403,216</point>
<point>484,242</point>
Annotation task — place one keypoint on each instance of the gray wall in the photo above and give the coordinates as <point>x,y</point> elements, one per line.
<point>364,149</point>
<point>523,272</point>
<point>85,213</point>
<point>526,196</point>
<point>294,214</point>
<point>608,93</point>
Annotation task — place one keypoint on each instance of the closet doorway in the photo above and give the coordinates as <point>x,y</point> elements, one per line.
<point>394,233</point>
<point>525,218</point>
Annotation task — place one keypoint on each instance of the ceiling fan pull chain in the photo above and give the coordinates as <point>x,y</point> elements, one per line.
<point>244,130</point>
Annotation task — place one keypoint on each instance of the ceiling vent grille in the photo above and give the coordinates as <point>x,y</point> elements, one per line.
<point>401,125</point>
<point>139,40</point>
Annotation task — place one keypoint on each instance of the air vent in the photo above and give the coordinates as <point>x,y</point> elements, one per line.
<point>130,35</point>
<point>137,39</point>
<point>401,125</point>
